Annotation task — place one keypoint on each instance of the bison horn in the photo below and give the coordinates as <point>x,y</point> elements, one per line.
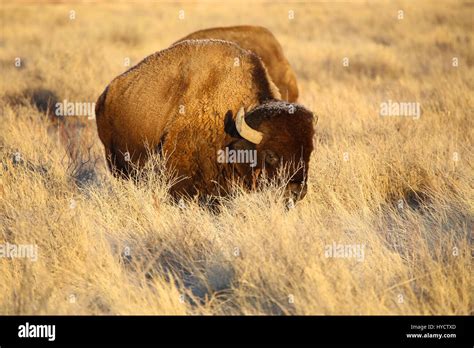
<point>245,130</point>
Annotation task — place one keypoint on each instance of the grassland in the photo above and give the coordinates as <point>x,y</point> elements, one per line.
<point>400,187</point>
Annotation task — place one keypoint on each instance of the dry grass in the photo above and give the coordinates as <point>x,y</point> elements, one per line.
<point>121,248</point>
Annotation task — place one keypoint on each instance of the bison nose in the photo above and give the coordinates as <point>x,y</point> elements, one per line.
<point>296,190</point>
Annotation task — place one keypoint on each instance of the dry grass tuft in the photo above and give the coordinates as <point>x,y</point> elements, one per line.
<point>109,246</point>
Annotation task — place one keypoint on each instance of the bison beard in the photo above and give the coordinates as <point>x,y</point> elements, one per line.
<point>142,107</point>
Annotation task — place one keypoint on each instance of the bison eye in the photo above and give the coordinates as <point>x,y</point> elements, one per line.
<point>271,158</point>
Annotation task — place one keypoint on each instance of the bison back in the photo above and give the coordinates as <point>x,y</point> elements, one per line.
<point>261,41</point>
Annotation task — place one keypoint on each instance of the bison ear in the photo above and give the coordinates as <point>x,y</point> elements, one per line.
<point>229,125</point>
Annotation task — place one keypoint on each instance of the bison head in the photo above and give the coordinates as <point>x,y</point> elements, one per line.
<point>281,135</point>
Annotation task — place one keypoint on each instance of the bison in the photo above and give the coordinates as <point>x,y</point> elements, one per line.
<point>194,100</point>
<point>262,42</point>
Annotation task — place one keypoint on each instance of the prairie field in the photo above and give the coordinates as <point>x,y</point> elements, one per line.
<point>394,192</point>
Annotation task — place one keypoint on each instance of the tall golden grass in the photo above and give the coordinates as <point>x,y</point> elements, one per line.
<point>400,187</point>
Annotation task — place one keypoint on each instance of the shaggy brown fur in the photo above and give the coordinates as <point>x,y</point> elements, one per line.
<point>183,101</point>
<point>262,42</point>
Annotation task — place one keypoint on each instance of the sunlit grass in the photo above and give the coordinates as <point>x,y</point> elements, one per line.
<point>400,187</point>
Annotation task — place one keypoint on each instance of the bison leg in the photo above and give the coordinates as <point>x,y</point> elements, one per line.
<point>118,165</point>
